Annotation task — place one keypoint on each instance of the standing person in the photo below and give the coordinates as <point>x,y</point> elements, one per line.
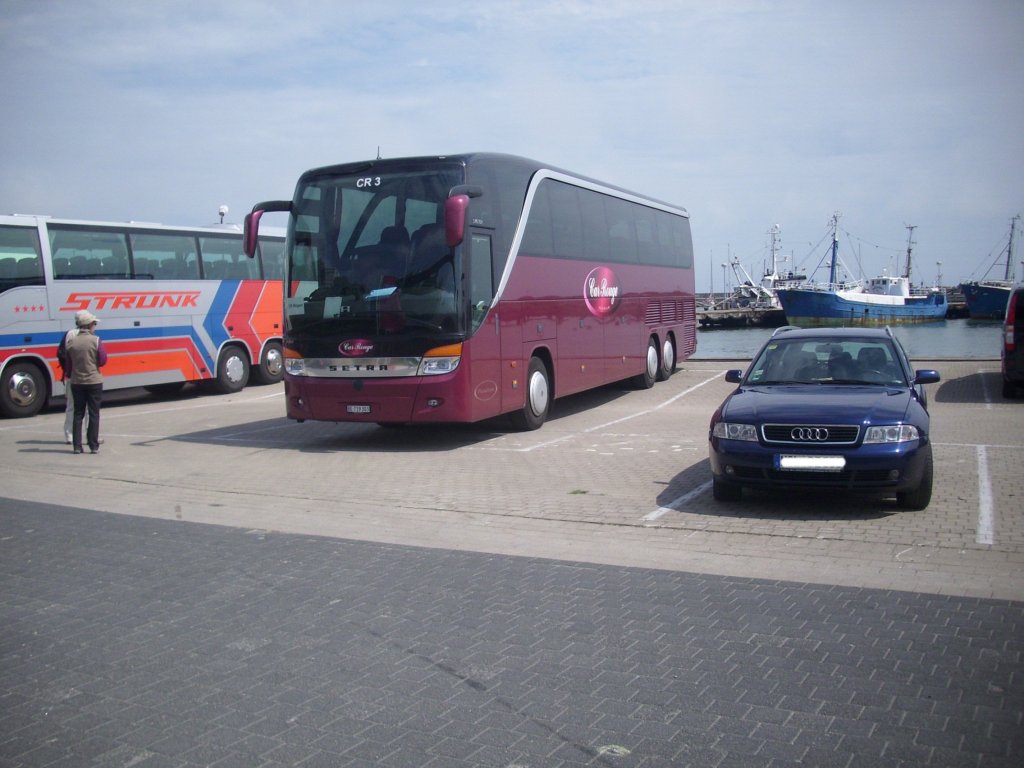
<point>65,376</point>
<point>87,355</point>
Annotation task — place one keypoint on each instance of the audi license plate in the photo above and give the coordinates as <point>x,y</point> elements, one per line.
<point>810,463</point>
<point>358,408</point>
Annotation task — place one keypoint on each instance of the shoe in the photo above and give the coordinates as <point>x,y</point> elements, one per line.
<point>68,440</point>
<point>79,450</point>
<point>94,450</point>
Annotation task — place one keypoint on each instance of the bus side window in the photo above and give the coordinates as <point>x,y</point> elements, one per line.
<point>20,262</point>
<point>481,285</point>
<point>537,240</point>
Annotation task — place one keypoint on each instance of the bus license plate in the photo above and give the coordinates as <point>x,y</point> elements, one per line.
<point>358,409</point>
<point>810,463</point>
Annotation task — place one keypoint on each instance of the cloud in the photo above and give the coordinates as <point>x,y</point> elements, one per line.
<point>746,113</point>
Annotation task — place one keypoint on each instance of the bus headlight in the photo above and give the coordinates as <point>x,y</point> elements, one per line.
<point>440,360</point>
<point>896,433</point>
<point>294,363</point>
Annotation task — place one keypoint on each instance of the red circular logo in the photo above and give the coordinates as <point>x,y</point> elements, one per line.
<point>601,291</point>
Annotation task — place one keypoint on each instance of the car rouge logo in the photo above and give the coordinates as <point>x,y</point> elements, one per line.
<point>602,291</point>
<point>356,347</point>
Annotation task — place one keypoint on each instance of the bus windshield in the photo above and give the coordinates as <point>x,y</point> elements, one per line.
<point>369,255</point>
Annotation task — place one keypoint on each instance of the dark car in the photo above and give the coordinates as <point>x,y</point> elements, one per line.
<point>1013,343</point>
<point>828,408</point>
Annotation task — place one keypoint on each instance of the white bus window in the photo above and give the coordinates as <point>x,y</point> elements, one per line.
<point>164,257</point>
<point>88,253</point>
<point>20,262</point>
<point>223,259</point>
<point>272,256</point>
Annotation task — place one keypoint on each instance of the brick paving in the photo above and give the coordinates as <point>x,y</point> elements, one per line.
<point>133,641</point>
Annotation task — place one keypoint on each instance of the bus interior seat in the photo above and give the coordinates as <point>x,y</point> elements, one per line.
<point>115,266</point>
<point>61,267</point>
<point>394,250</point>
<point>428,248</point>
<point>30,267</point>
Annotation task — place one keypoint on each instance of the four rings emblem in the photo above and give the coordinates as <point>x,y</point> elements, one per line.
<point>809,434</point>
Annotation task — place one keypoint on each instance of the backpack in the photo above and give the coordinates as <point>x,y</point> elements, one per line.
<point>62,354</point>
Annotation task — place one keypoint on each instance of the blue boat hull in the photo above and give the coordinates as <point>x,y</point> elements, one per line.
<point>821,308</point>
<point>985,302</point>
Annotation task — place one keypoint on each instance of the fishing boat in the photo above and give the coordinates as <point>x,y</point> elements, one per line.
<point>986,299</point>
<point>750,303</point>
<point>884,300</point>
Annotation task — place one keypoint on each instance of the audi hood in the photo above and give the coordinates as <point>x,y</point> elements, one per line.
<point>825,404</point>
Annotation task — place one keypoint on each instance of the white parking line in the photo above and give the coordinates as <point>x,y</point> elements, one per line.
<point>607,424</point>
<point>986,517</point>
<point>673,506</point>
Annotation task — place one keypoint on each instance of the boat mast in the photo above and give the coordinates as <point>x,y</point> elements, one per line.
<point>774,232</point>
<point>835,249</point>
<point>1009,249</point>
<point>910,245</point>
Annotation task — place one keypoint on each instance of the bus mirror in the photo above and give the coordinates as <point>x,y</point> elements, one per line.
<point>251,228</point>
<point>455,219</point>
<point>251,232</point>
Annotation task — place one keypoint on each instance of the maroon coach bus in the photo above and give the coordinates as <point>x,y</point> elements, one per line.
<point>459,288</point>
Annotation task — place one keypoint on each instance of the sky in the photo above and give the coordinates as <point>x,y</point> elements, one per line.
<point>748,113</point>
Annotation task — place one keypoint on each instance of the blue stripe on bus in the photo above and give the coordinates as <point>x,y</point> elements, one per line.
<point>222,301</point>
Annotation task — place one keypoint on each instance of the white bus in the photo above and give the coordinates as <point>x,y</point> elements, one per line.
<point>177,304</point>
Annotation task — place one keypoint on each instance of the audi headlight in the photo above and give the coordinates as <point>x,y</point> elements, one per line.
<point>895,433</point>
<point>730,431</point>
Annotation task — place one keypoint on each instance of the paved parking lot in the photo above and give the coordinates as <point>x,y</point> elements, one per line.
<point>464,596</point>
<point>615,477</point>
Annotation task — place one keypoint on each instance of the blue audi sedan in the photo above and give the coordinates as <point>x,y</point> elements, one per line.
<point>838,409</point>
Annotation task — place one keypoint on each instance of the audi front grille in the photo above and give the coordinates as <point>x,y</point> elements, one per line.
<point>810,434</point>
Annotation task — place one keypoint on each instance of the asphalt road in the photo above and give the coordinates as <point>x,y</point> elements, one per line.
<point>220,586</point>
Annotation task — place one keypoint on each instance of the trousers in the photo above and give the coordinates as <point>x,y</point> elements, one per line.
<point>88,398</point>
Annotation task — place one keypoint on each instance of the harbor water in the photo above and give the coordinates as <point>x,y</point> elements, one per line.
<point>946,340</point>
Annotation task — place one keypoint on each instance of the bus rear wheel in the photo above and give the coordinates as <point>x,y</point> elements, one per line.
<point>271,367</point>
<point>668,359</point>
<point>538,398</point>
<point>646,379</point>
<point>232,371</point>
<point>24,391</point>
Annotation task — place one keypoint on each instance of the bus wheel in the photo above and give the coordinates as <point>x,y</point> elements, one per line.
<point>24,391</point>
<point>646,379</point>
<point>232,371</point>
<point>538,398</point>
<point>668,360</point>
<point>271,367</point>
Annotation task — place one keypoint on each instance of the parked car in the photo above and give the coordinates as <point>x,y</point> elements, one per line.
<point>1012,355</point>
<point>829,408</point>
